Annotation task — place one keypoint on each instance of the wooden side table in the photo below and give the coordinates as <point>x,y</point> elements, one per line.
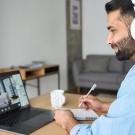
<point>36,73</point>
<point>30,74</point>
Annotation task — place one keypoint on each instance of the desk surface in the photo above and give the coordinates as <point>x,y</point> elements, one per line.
<point>44,102</point>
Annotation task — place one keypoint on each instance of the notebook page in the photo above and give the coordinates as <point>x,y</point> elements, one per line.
<point>81,114</point>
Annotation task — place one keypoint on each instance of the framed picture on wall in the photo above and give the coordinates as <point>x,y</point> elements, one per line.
<point>75,15</point>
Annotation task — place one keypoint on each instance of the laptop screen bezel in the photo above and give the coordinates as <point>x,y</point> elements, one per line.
<point>10,73</point>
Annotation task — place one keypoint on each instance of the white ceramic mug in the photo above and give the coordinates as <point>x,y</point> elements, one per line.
<point>57,98</point>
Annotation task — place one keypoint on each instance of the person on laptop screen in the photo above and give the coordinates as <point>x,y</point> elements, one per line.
<point>10,93</point>
<point>120,114</point>
<point>4,100</point>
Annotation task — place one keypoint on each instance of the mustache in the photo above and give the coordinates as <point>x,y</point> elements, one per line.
<point>122,43</point>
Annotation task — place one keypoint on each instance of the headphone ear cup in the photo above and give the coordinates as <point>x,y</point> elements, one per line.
<point>133,29</point>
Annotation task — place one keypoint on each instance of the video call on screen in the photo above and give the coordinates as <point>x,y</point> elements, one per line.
<point>12,93</point>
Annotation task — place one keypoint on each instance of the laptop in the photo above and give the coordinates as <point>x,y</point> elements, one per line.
<point>16,114</point>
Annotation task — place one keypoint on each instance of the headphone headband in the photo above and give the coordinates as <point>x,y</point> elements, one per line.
<point>133,1</point>
<point>133,23</point>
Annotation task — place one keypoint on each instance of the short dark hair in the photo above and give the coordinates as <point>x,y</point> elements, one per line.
<point>126,7</point>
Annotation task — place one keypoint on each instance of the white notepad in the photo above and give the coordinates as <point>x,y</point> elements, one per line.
<point>81,114</point>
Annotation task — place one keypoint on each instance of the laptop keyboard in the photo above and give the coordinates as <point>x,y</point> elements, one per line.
<point>18,117</point>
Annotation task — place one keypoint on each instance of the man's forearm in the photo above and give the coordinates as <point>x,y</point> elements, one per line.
<point>70,124</point>
<point>106,106</point>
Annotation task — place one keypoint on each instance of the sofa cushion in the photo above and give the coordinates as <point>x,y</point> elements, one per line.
<point>95,64</point>
<point>100,77</point>
<point>115,65</point>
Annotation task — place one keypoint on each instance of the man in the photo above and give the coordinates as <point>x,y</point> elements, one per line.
<point>120,115</point>
<point>4,100</point>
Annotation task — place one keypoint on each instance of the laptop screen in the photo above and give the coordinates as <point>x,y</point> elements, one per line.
<point>12,92</point>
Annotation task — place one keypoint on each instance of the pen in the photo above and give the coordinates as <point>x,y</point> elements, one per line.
<point>92,88</point>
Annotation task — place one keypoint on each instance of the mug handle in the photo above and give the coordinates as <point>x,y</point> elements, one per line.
<point>63,99</point>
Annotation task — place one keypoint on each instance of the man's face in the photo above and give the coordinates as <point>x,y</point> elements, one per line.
<point>119,37</point>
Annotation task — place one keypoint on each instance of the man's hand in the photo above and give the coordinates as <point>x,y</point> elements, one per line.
<point>94,103</point>
<point>65,119</point>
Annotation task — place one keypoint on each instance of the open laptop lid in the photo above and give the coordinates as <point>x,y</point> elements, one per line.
<point>12,92</point>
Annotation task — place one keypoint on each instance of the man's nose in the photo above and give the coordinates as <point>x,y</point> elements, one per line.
<point>109,40</point>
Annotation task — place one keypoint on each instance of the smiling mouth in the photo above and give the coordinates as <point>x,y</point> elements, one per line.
<point>115,48</point>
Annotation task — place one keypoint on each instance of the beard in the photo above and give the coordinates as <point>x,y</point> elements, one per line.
<point>126,48</point>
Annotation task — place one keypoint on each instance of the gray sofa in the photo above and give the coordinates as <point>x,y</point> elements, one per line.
<point>104,70</point>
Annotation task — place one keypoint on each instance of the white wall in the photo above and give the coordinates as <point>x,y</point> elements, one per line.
<point>34,30</point>
<point>94,28</point>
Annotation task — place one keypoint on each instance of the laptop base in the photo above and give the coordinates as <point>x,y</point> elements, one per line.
<point>27,125</point>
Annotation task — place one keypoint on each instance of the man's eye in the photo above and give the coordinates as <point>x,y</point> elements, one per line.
<point>113,30</point>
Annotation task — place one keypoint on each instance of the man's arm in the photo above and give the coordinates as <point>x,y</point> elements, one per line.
<point>81,129</point>
<point>95,104</point>
<point>106,106</point>
<point>66,120</point>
